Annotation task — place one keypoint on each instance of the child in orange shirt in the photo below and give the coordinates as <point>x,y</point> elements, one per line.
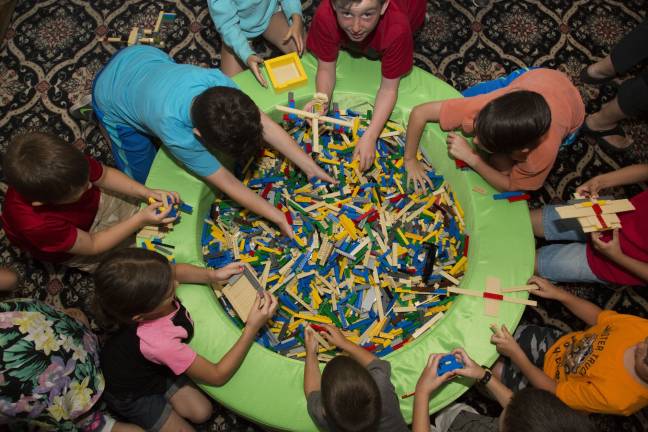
<point>517,129</point>
<point>603,369</point>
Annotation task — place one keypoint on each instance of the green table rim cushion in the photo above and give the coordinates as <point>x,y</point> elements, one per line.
<point>268,387</point>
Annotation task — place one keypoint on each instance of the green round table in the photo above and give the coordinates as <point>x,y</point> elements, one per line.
<point>268,388</point>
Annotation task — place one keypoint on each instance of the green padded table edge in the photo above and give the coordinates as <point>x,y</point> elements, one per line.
<point>268,387</point>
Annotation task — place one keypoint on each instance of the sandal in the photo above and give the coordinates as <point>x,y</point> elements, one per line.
<point>586,78</point>
<point>599,137</point>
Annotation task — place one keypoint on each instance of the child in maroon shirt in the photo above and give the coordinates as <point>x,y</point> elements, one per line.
<point>57,208</point>
<point>377,29</point>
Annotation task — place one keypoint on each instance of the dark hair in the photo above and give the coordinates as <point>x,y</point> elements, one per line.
<point>128,282</point>
<point>343,4</point>
<point>513,121</point>
<point>350,396</point>
<point>42,167</point>
<point>536,410</point>
<point>228,121</point>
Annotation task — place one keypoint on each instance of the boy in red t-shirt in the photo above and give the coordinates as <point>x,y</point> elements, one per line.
<point>54,207</point>
<point>620,257</point>
<point>377,29</point>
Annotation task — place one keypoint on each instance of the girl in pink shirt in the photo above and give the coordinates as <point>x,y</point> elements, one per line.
<point>146,358</point>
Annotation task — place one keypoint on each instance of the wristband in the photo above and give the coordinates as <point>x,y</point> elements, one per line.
<point>487,376</point>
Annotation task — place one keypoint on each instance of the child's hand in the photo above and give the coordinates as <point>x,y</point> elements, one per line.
<point>545,288</point>
<point>283,225</point>
<point>417,175</point>
<point>611,249</point>
<point>150,216</point>
<point>296,33</point>
<point>471,369</point>
<point>317,172</point>
<point>258,316</point>
<point>224,273</point>
<point>591,187</point>
<point>310,107</point>
<point>312,345</point>
<point>334,336</point>
<point>505,344</point>
<point>458,148</point>
<point>253,63</point>
<point>428,382</point>
<point>365,151</point>
<point>163,196</point>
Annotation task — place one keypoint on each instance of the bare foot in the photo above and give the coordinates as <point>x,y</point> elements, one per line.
<point>601,69</point>
<point>8,280</point>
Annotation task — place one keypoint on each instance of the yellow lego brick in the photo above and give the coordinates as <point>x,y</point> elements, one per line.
<point>459,265</point>
<point>270,250</point>
<point>315,318</point>
<point>349,226</point>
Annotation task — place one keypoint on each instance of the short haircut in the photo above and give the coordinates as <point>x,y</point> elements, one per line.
<point>536,410</point>
<point>350,396</point>
<point>42,167</point>
<point>513,121</point>
<point>228,121</point>
<point>344,4</point>
<point>129,282</point>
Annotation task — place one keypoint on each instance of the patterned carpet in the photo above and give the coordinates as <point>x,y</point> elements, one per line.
<point>53,50</point>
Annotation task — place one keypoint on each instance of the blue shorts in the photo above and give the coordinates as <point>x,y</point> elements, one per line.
<point>133,150</point>
<point>563,262</point>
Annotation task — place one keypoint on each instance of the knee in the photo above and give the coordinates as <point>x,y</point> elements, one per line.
<point>200,411</point>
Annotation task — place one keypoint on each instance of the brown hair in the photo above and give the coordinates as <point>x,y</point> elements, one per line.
<point>343,4</point>
<point>129,282</point>
<point>513,121</point>
<point>42,167</point>
<point>350,396</point>
<point>228,121</point>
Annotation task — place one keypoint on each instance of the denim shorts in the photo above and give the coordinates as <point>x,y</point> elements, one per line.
<point>149,412</point>
<point>564,262</point>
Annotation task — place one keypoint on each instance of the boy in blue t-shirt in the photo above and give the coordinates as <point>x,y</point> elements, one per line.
<point>196,112</point>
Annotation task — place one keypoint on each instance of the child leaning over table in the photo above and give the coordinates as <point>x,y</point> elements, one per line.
<point>517,129</point>
<point>147,355</point>
<point>619,257</point>
<point>603,369</point>
<point>354,393</point>
<point>64,207</point>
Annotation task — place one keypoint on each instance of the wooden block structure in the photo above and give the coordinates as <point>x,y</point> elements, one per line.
<point>148,36</point>
<point>493,295</point>
<point>286,72</point>
<point>596,215</point>
<point>241,291</point>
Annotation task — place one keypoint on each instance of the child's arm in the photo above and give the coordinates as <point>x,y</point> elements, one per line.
<point>507,346</point>
<point>472,370</point>
<point>116,181</point>
<point>187,273</point>
<point>427,384</point>
<point>365,150</point>
<point>224,181</point>
<point>312,374</point>
<point>586,311</point>
<point>282,142</point>
<point>334,336</point>
<point>226,21</point>
<point>612,250</point>
<point>420,115</point>
<point>219,373</point>
<point>87,243</point>
<point>324,83</point>
<point>624,176</point>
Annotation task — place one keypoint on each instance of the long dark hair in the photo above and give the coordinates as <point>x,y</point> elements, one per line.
<point>129,282</point>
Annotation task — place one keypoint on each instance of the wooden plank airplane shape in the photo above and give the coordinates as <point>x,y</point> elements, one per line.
<point>493,295</point>
<point>594,214</point>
